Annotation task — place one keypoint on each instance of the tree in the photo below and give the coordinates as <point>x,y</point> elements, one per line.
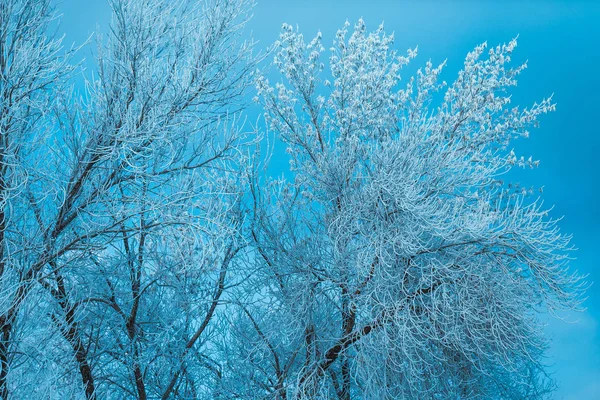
<point>142,254</point>
<point>396,261</point>
<point>33,70</point>
<point>123,236</point>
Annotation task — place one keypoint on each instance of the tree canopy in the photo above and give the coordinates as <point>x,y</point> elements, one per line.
<point>146,252</point>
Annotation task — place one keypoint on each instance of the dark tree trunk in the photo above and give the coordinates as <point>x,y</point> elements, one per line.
<point>4,344</point>
<point>70,331</point>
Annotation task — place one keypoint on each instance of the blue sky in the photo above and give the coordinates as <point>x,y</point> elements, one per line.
<point>560,40</point>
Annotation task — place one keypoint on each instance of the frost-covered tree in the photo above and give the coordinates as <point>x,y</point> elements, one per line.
<point>33,71</point>
<point>142,255</point>
<point>122,208</point>
<point>395,263</point>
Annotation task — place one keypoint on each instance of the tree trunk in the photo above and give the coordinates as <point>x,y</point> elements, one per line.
<point>4,344</point>
<point>70,331</point>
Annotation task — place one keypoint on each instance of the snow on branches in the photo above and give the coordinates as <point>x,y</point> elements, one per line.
<point>425,273</point>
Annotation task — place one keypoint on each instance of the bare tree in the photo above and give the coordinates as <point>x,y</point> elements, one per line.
<point>404,267</point>
<point>132,200</point>
<point>169,78</point>
<point>33,70</point>
<point>142,254</point>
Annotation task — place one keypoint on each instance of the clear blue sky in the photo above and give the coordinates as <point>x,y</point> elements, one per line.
<point>561,40</point>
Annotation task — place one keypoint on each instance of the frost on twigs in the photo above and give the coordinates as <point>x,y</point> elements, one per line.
<point>121,227</point>
<point>398,266</point>
<point>143,255</point>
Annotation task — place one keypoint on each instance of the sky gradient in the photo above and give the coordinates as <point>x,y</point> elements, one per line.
<point>560,40</point>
